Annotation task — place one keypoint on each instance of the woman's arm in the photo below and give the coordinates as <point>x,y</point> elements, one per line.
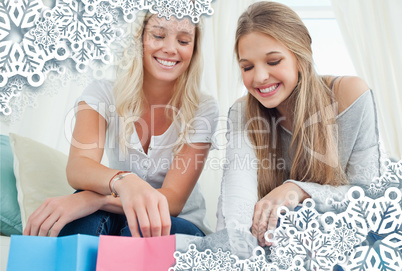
<point>85,172</point>
<point>239,182</point>
<point>139,200</point>
<point>83,164</point>
<point>358,145</point>
<point>151,210</point>
<point>264,214</point>
<point>239,207</point>
<point>183,174</point>
<point>358,142</point>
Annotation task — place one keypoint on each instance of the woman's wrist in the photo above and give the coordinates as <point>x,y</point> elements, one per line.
<point>302,195</point>
<point>93,198</point>
<point>120,183</point>
<point>117,176</point>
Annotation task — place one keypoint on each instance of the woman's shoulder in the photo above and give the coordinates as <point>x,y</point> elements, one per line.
<point>103,84</point>
<point>98,91</point>
<point>237,112</point>
<point>347,89</point>
<point>208,104</point>
<point>239,104</point>
<point>204,97</point>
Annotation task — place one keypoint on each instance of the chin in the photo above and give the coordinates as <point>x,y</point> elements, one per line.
<point>268,105</point>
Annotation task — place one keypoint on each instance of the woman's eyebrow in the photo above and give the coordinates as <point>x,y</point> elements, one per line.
<point>185,32</point>
<point>179,32</point>
<point>267,54</point>
<point>158,26</point>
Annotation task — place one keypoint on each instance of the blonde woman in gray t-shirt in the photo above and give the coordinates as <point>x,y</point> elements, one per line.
<point>149,124</point>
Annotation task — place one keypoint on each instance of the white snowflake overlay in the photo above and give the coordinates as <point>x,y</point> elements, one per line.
<point>367,235</point>
<point>34,37</point>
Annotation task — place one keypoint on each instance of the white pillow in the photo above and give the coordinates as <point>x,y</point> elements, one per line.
<point>40,173</point>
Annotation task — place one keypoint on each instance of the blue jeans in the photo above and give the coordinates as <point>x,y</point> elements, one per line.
<point>106,223</point>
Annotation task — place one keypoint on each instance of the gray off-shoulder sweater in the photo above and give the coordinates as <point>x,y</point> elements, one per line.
<point>358,148</point>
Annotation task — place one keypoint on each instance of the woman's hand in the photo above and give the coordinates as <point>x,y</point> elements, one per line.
<point>143,203</point>
<point>265,211</point>
<point>54,213</point>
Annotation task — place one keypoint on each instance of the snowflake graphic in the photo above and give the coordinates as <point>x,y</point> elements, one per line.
<point>197,8</point>
<point>344,239</point>
<point>130,6</point>
<point>384,227</point>
<point>46,32</point>
<point>166,8</point>
<point>10,91</point>
<point>390,178</point>
<point>18,55</point>
<point>34,37</point>
<point>366,236</point>
<point>375,190</point>
<point>192,259</point>
<point>278,256</point>
<point>106,12</point>
<point>88,34</point>
<point>314,247</point>
<point>181,8</point>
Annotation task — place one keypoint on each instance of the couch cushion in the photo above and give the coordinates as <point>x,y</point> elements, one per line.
<point>10,216</point>
<point>40,173</point>
<point>4,249</point>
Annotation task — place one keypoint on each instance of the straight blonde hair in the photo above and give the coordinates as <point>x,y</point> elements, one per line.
<point>129,94</point>
<point>314,141</point>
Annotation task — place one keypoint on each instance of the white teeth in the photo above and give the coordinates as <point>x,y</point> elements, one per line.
<point>166,63</point>
<point>267,90</point>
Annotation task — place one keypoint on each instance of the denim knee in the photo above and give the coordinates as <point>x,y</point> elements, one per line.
<point>179,225</point>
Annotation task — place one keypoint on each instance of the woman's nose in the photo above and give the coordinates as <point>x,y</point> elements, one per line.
<point>261,75</point>
<point>169,46</point>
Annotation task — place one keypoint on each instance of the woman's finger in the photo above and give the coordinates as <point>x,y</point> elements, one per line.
<point>58,226</point>
<point>154,220</point>
<point>29,228</point>
<point>165,217</point>
<point>272,222</point>
<point>47,224</point>
<point>256,219</point>
<point>143,221</point>
<point>273,219</point>
<point>132,223</point>
<point>263,223</point>
<point>35,221</point>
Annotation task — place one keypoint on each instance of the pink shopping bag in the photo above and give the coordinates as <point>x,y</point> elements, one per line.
<point>129,253</point>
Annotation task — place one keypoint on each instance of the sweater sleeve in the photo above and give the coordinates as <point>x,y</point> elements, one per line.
<point>239,183</point>
<point>358,146</point>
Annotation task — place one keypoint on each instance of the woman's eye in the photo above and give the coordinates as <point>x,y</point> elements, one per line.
<point>247,68</point>
<point>274,63</point>
<point>184,42</point>
<point>158,37</point>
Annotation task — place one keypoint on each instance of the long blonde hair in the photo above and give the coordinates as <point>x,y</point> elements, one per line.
<point>312,100</point>
<point>129,94</point>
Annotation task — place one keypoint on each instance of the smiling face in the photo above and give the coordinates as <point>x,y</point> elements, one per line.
<point>269,69</point>
<point>168,48</point>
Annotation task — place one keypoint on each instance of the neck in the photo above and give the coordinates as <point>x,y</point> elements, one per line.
<point>158,92</point>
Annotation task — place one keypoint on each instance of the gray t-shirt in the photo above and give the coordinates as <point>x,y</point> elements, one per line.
<point>153,166</point>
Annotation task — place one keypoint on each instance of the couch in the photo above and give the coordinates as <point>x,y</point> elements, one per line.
<point>30,173</point>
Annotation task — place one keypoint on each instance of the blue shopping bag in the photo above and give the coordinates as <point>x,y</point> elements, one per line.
<point>75,252</point>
